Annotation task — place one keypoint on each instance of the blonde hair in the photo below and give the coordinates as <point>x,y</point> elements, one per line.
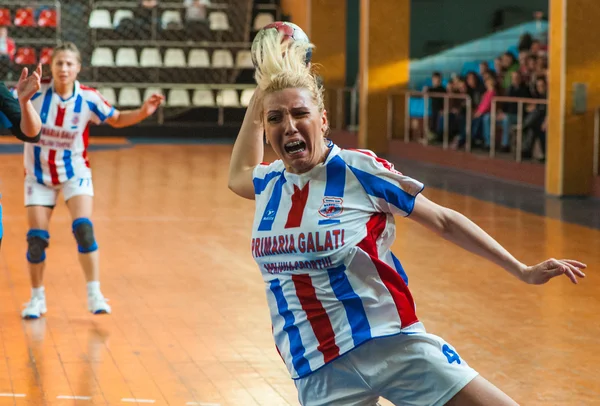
<point>67,46</point>
<point>281,64</point>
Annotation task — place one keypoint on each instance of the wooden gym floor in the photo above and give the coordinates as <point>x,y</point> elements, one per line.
<point>190,323</point>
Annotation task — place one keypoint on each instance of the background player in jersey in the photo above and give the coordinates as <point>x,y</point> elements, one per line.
<point>19,114</point>
<point>343,317</point>
<point>59,162</point>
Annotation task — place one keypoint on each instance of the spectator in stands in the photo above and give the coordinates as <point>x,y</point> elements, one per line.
<point>149,4</point>
<point>525,42</point>
<point>484,67</point>
<point>481,118</point>
<point>195,10</point>
<point>508,116</point>
<point>534,125</point>
<point>536,48</point>
<point>437,103</point>
<point>498,69</point>
<point>196,20</point>
<point>457,113</point>
<point>540,72</point>
<point>147,17</point>
<point>509,65</point>
<point>528,68</point>
<point>475,88</point>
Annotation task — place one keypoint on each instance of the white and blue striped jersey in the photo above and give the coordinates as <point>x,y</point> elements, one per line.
<point>322,241</point>
<point>61,152</point>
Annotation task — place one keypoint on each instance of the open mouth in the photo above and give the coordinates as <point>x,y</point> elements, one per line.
<point>295,147</point>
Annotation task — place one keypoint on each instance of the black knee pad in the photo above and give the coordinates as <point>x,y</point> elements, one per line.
<point>84,235</point>
<point>37,242</point>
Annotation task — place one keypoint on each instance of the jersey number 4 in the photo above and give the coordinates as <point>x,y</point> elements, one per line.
<point>450,354</point>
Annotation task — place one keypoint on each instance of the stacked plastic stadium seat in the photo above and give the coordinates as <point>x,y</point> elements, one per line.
<point>34,30</point>
<point>136,51</point>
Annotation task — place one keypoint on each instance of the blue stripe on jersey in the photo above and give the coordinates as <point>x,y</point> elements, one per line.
<point>325,222</point>
<point>271,210</point>
<point>375,186</point>
<point>68,164</point>
<point>46,105</point>
<point>361,329</point>
<point>96,111</point>
<point>296,346</point>
<point>399,268</point>
<point>39,175</point>
<point>336,182</point>
<point>260,184</point>
<point>78,104</point>
<point>336,177</point>
<point>35,96</point>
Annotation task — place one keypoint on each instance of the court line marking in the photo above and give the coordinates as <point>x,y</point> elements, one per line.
<point>16,395</point>
<point>74,397</point>
<point>202,404</point>
<point>134,400</point>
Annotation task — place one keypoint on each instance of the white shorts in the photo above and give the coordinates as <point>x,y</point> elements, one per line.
<point>414,369</point>
<point>37,194</point>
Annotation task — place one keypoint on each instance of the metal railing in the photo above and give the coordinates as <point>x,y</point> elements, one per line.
<point>493,114</point>
<point>468,118</point>
<point>426,96</point>
<point>342,105</point>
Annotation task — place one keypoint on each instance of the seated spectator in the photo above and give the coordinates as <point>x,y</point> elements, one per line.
<point>534,124</point>
<point>196,20</point>
<point>498,69</point>
<point>147,17</point>
<point>475,88</point>
<point>527,68</point>
<point>484,67</point>
<point>525,42</point>
<point>196,10</point>
<point>508,116</point>
<point>457,110</point>
<point>539,72</point>
<point>437,103</point>
<point>481,119</point>
<point>509,65</point>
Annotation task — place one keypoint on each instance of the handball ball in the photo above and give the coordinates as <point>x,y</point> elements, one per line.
<point>289,30</point>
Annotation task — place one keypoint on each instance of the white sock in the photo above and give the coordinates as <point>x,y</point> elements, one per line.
<point>93,288</point>
<point>37,292</point>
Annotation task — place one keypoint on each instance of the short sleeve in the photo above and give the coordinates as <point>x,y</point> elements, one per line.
<point>263,174</point>
<point>99,106</point>
<point>389,190</point>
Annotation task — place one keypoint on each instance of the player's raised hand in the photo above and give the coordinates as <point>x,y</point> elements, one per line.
<point>29,85</point>
<point>151,104</point>
<point>544,271</point>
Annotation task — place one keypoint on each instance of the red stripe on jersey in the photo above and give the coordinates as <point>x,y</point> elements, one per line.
<point>389,276</point>
<point>86,141</point>
<point>386,164</point>
<point>52,166</point>
<point>299,199</point>
<point>317,316</point>
<point>60,117</point>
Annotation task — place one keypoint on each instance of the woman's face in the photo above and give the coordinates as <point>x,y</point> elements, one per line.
<point>295,128</point>
<point>65,67</point>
